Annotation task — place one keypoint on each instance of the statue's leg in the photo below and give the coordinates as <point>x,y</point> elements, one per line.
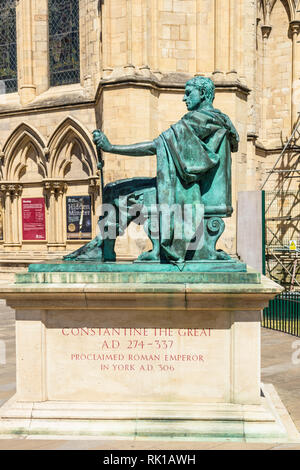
<point>154,254</point>
<point>90,251</point>
<point>131,199</point>
<point>151,224</point>
<point>100,248</point>
<point>119,200</point>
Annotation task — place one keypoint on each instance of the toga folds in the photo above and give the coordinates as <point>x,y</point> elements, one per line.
<point>193,182</point>
<point>193,169</point>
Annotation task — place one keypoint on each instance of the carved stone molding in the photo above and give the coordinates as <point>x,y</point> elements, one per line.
<point>266,31</point>
<point>167,82</point>
<point>13,189</point>
<point>55,186</point>
<point>46,152</point>
<point>94,184</point>
<point>295,27</point>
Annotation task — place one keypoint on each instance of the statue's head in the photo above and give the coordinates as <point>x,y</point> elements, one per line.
<point>197,91</point>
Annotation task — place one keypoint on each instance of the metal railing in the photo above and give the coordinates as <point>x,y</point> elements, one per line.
<point>283,313</point>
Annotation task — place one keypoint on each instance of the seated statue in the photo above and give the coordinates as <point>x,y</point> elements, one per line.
<point>193,170</point>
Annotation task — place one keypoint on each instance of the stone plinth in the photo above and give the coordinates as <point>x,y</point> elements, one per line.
<point>172,361</point>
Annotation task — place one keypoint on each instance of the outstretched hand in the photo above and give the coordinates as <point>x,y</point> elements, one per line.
<point>101,141</point>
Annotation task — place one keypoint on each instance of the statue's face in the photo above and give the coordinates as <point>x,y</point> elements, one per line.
<point>193,97</point>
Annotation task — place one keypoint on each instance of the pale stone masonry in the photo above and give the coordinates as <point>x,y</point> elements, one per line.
<point>135,56</point>
<point>142,361</point>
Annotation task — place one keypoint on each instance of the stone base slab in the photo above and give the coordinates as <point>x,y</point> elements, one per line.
<point>204,272</point>
<point>267,422</point>
<point>137,278</point>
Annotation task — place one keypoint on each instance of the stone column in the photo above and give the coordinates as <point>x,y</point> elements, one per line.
<point>94,190</point>
<point>12,214</point>
<point>50,212</point>
<point>40,41</point>
<point>7,214</point>
<point>205,37</point>
<point>129,31</point>
<point>295,28</point>
<point>91,42</point>
<point>137,25</point>
<point>106,40</point>
<point>25,51</point>
<point>266,31</point>
<point>16,191</point>
<point>145,35</point>
<point>60,189</point>
<point>233,43</point>
<point>154,65</point>
<point>2,214</point>
<point>238,38</point>
<point>222,35</point>
<point>55,190</point>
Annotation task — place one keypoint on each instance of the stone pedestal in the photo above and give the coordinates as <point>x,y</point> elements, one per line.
<point>158,361</point>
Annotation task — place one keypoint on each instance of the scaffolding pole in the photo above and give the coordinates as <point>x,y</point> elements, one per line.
<point>277,250</point>
<point>285,148</point>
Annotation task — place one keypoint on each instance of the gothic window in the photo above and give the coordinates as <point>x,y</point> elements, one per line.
<point>8,47</point>
<point>64,41</point>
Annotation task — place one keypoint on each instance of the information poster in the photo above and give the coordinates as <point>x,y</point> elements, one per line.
<point>79,220</point>
<point>33,218</point>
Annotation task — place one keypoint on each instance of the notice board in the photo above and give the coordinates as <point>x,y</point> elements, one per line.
<point>79,219</point>
<point>33,218</point>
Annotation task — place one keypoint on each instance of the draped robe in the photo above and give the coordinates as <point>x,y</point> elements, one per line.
<point>187,153</point>
<point>193,170</point>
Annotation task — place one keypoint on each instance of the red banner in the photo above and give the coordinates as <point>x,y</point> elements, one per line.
<point>33,218</point>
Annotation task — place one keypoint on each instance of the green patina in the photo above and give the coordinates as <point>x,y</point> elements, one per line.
<point>221,266</point>
<point>193,170</point>
<point>205,272</point>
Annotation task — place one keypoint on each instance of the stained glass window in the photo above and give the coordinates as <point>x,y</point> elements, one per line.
<point>64,41</point>
<point>8,45</point>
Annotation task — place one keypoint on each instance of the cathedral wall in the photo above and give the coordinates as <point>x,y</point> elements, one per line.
<point>135,57</point>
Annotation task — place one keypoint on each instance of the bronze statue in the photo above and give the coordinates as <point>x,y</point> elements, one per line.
<point>193,169</point>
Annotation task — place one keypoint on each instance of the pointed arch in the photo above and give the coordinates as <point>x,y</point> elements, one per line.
<point>297,10</point>
<point>289,6</point>
<point>262,11</point>
<point>278,73</point>
<point>16,148</point>
<point>69,134</point>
